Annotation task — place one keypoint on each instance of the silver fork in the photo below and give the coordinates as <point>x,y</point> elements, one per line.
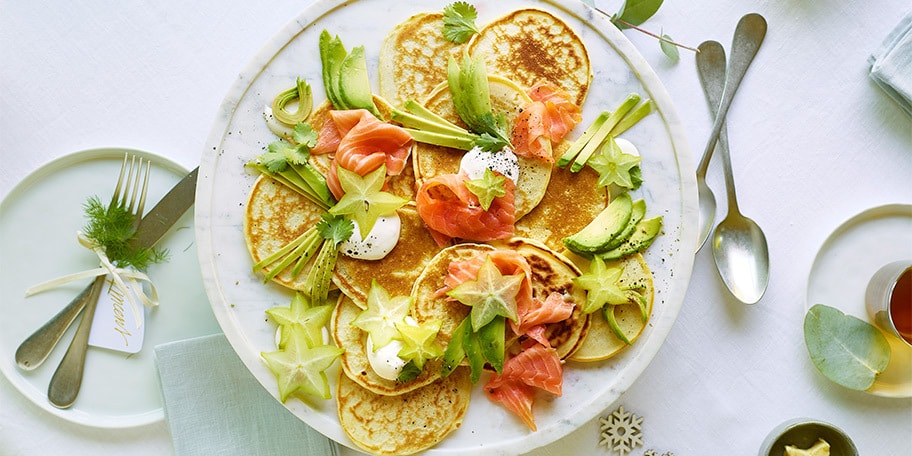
<point>67,379</point>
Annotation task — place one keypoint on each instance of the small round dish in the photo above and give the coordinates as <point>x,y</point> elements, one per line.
<point>38,223</point>
<point>845,264</point>
<point>803,433</point>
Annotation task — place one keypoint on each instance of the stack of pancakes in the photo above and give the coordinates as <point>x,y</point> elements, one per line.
<point>521,49</point>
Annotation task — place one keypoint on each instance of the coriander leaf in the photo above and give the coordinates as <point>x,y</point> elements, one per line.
<point>409,372</point>
<point>305,135</point>
<point>487,188</point>
<point>276,157</point>
<point>636,177</point>
<point>670,50</point>
<point>459,22</point>
<point>495,126</point>
<point>335,228</point>
<point>489,143</point>
<point>635,12</point>
<point>282,153</point>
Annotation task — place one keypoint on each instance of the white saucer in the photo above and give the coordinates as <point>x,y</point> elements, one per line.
<point>38,223</point>
<point>846,262</point>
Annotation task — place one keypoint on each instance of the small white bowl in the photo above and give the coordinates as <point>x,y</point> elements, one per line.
<point>803,433</point>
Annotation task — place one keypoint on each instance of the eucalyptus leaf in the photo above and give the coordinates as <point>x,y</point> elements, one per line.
<point>670,50</point>
<point>847,350</point>
<point>635,12</point>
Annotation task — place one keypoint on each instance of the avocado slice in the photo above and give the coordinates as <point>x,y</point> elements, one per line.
<point>637,212</point>
<point>646,231</point>
<point>607,225</point>
<point>332,54</point>
<point>354,82</point>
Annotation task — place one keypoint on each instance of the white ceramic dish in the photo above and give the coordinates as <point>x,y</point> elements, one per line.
<point>803,433</point>
<point>846,262</point>
<point>239,298</point>
<point>38,223</point>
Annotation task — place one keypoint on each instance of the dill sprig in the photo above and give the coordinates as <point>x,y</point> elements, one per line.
<point>111,226</point>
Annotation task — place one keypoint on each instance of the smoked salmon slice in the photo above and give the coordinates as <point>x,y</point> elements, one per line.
<point>361,143</point>
<point>535,367</point>
<point>563,115</point>
<point>543,122</point>
<point>534,314</point>
<point>516,397</point>
<point>508,262</point>
<point>451,211</point>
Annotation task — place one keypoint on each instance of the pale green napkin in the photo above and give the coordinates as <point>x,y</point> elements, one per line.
<point>891,64</point>
<point>214,406</point>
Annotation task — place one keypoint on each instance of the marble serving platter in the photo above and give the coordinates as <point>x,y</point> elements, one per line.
<point>239,298</point>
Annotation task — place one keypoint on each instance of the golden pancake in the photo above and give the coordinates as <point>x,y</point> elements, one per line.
<point>276,215</point>
<point>429,304</point>
<point>354,361</point>
<point>571,201</point>
<point>552,272</point>
<point>600,342</point>
<point>398,270</point>
<point>531,46</point>
<point>413,59</point>
<point>407,423</point>
<point>401,185</point>
<point>506,98</point>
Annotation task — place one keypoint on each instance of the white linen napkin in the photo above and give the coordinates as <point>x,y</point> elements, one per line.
<point>214,405</point>
<point>891,64</point>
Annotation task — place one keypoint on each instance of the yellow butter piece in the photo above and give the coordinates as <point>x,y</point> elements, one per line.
<point>821,448</point>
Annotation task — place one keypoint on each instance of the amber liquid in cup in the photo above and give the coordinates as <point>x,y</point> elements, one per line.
<point>888,299</point>
<point>901,305</point>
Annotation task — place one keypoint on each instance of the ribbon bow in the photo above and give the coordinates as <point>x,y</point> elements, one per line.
<point>126,279</point>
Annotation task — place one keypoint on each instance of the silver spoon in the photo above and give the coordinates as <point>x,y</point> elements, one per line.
<point>739,245</point>
<point>711,69</point>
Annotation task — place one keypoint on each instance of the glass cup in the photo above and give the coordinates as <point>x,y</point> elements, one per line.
<point>888,299</point>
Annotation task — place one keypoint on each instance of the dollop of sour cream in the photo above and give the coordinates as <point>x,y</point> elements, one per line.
<point>475,161</point>
<point>385,361</point>
<point>378,243</point>
<point>278,128</point>
<point>627,147</point>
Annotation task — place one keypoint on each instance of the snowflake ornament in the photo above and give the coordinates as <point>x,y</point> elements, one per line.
<point>656,453</point>
<point>621,431</point>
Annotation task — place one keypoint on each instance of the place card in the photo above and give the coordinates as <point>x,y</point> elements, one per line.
<point>115,323</point>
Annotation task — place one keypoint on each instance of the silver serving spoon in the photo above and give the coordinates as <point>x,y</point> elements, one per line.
<point>739,245</point>
<point>711,69</point>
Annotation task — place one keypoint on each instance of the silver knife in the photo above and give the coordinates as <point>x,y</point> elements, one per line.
<point>36,348</point>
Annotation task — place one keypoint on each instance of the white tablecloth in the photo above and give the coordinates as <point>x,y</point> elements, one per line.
<point>815,142</point>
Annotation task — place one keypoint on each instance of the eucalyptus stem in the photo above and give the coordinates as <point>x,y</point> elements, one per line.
<point>618,20</point>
